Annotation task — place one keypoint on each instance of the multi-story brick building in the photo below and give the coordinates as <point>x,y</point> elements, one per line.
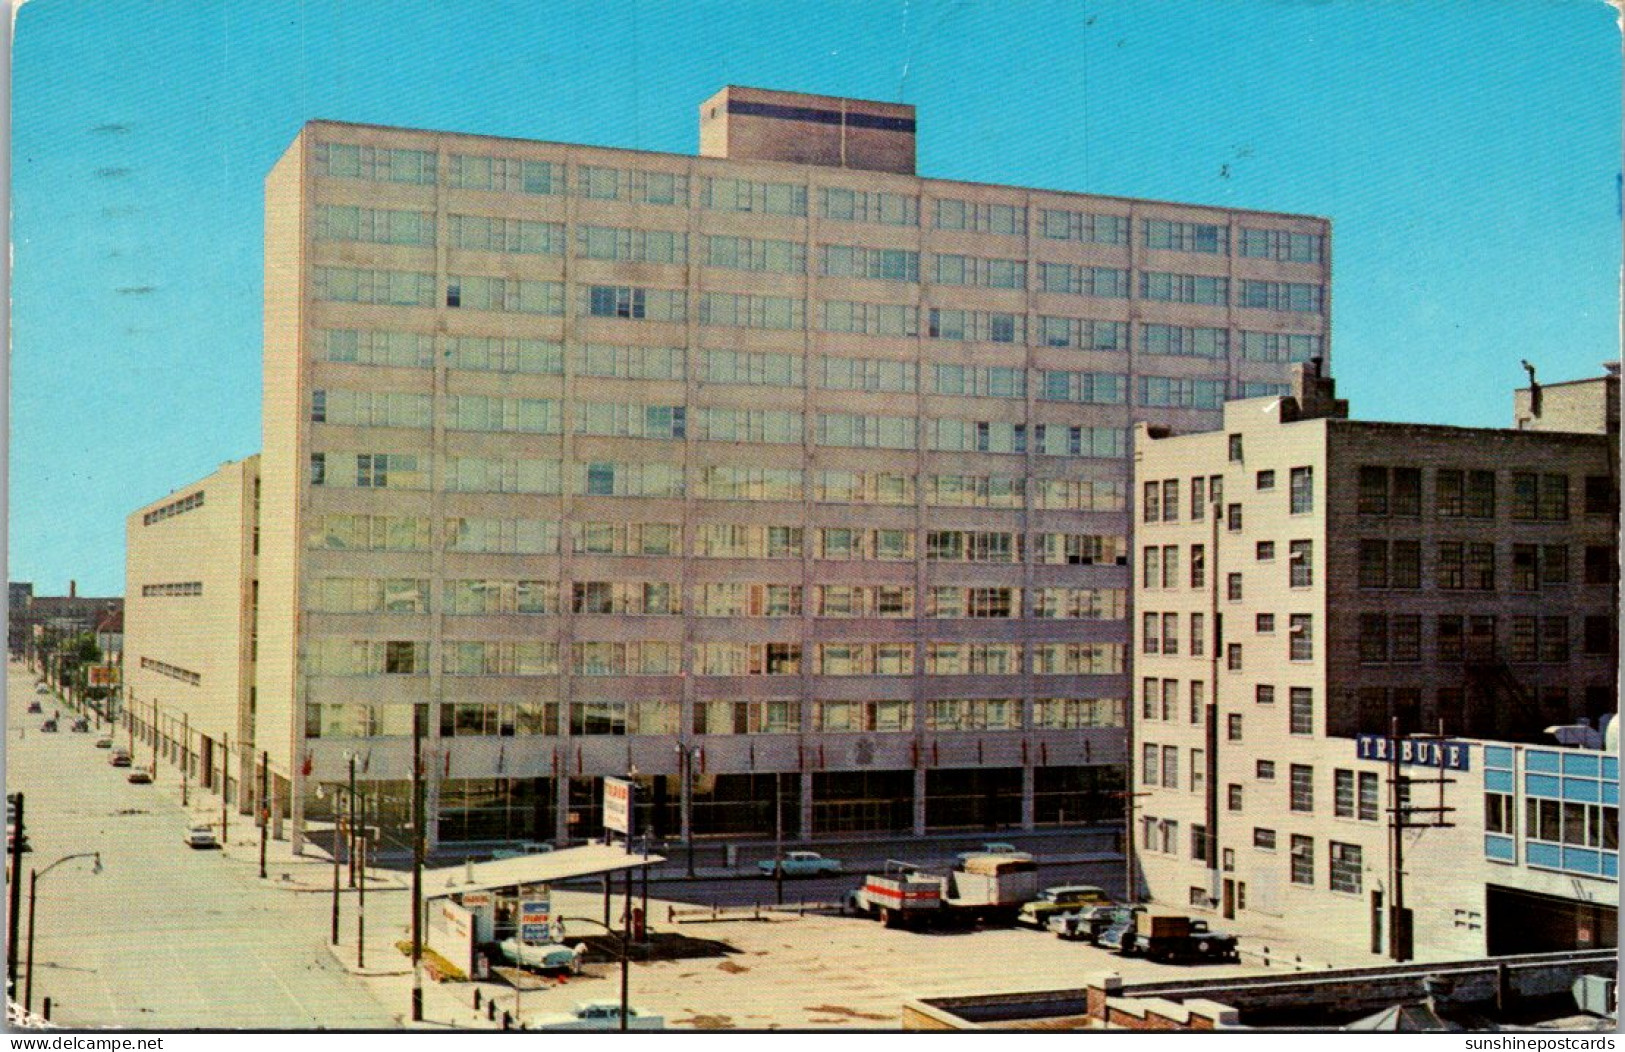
<point>1306,579</point>
<point>776,466</point>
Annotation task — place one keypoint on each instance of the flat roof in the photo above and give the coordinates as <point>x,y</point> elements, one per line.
<point>544,868</point>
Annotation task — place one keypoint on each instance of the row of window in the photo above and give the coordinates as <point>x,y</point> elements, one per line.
<point>1160,567</point>
<point>652,186</point>
<point>1159,634</point>
<point>355,595</point>
<point>179,506</point>
<point>712,717</point>
<point>776,369</point>
<point>164,668</point>
<point>173,588</point>
<point>409,471</point>
<point>1160,500</point>
<point>1459,493</point>
<point>1159,700</point>
<point>1471,565</point>
<point>329,656</point>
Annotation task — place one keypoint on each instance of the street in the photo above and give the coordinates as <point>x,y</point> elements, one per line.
<point>165,937</point>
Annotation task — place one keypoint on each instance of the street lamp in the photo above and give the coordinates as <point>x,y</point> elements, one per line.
<point>621,938</point>
<point>33,882</point>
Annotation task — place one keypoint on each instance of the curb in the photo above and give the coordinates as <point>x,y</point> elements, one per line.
<point>365,973</point>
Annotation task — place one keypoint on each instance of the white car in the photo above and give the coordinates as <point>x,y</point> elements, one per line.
<point>546,956</point>
<point>201,834</point>
<point>520,850</point>
<point>597,1015</point>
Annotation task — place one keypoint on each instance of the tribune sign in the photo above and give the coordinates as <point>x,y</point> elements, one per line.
<point>1442,753</point>
<point>618,806</point>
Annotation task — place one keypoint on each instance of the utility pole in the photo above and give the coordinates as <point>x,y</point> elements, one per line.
<point>265,806</point>
<point>361,903</point>
<point>13,918</point>
<point>419,717</point>
<point>335,852</point>
<point>626,933</point>
<point>778,841</point>
<point>186,757</point>
<point>350,847</point>
<point>225,785</point>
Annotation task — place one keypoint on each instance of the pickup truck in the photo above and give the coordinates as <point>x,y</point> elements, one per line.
<point>801,864</point>
<point>596,1015</point>
<point>1165,937</point>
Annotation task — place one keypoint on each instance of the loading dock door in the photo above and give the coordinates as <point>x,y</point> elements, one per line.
<point>1526,922</point>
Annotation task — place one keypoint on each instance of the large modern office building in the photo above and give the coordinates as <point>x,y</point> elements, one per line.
<point>1353,640</point>
<point>776,468</point>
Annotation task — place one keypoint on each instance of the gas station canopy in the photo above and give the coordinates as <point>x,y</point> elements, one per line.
<point>546,868</point>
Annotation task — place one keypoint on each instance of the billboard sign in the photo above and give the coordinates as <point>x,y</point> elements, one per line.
<point>102,675</point>
<point>618,806</point>
<point>1442,753</point>
<point>534,915</point>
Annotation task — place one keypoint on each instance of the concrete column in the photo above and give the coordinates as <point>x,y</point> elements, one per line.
<point>806,806</point>
<point>1027,782</point>
<point>561,809</point>
<point>919,801</point>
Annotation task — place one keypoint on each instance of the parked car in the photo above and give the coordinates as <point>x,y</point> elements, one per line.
<point>35,708</point>
<point>199,834</point>
<point>551,956</point>
<point>1053,901</point>
<point>596,1015</point>
<point>80,726</point>
<point>49,726</point>
<point>1089,923</point>
<point>801,864</point>
<point>995,848</point>
<point>104,742</point>
<point>521,850</point>
<point>140,776</point>
<point>120,758</point>
<point>40,688</point>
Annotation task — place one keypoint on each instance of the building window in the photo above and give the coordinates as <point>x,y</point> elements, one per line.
<point>1235,449</point>
<point>1233,587</point>
<point>1301,710</point>
<point>1302,788</point>
<point>1198,701</point>
<point>1264,624</point>
<point>1266,480</point>
<point>1368,796</point>
<point>1264,770</point>
<point>1233,727</point>
<point>1263,839</point>
<point>1303,860</point>
<point>1373,643</point>
<point>1480,495</point>
<point>1301,572</point>
<point>1449,494</point>
<point>1233,797</point>
<point>1264,694</point>
<point>1199,848</point>
<point>1405,564</point>
<point>1198,637</point>
<point>1343,793</point>
<point>1481,567</point>
<point>1449,567</point>
<point>1373,498</point>
<point>1600,498</point>
<point>1302,490</point>
<point>1345,868</point>
<point>1149,766</point>
<point>1233,518</point>
<point>1198,566</point>
<point>1233,657</point>
<point>1301,645</point>
<point>1373,564</point>
<point>1499,814</point>
<point>1601,566</point>
<point>1406,499</point>
<point>1170,767</point>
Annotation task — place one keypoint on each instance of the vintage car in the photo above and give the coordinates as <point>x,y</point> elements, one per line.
<point>801,864</point>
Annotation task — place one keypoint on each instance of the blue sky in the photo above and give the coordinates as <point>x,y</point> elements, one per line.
<point>1466,154</point>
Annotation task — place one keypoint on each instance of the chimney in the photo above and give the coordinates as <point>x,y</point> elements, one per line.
<point>73,589</point>
<point>1314,396</point>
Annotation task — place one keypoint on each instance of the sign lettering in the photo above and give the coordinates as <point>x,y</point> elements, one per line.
<point>1444,754</point>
